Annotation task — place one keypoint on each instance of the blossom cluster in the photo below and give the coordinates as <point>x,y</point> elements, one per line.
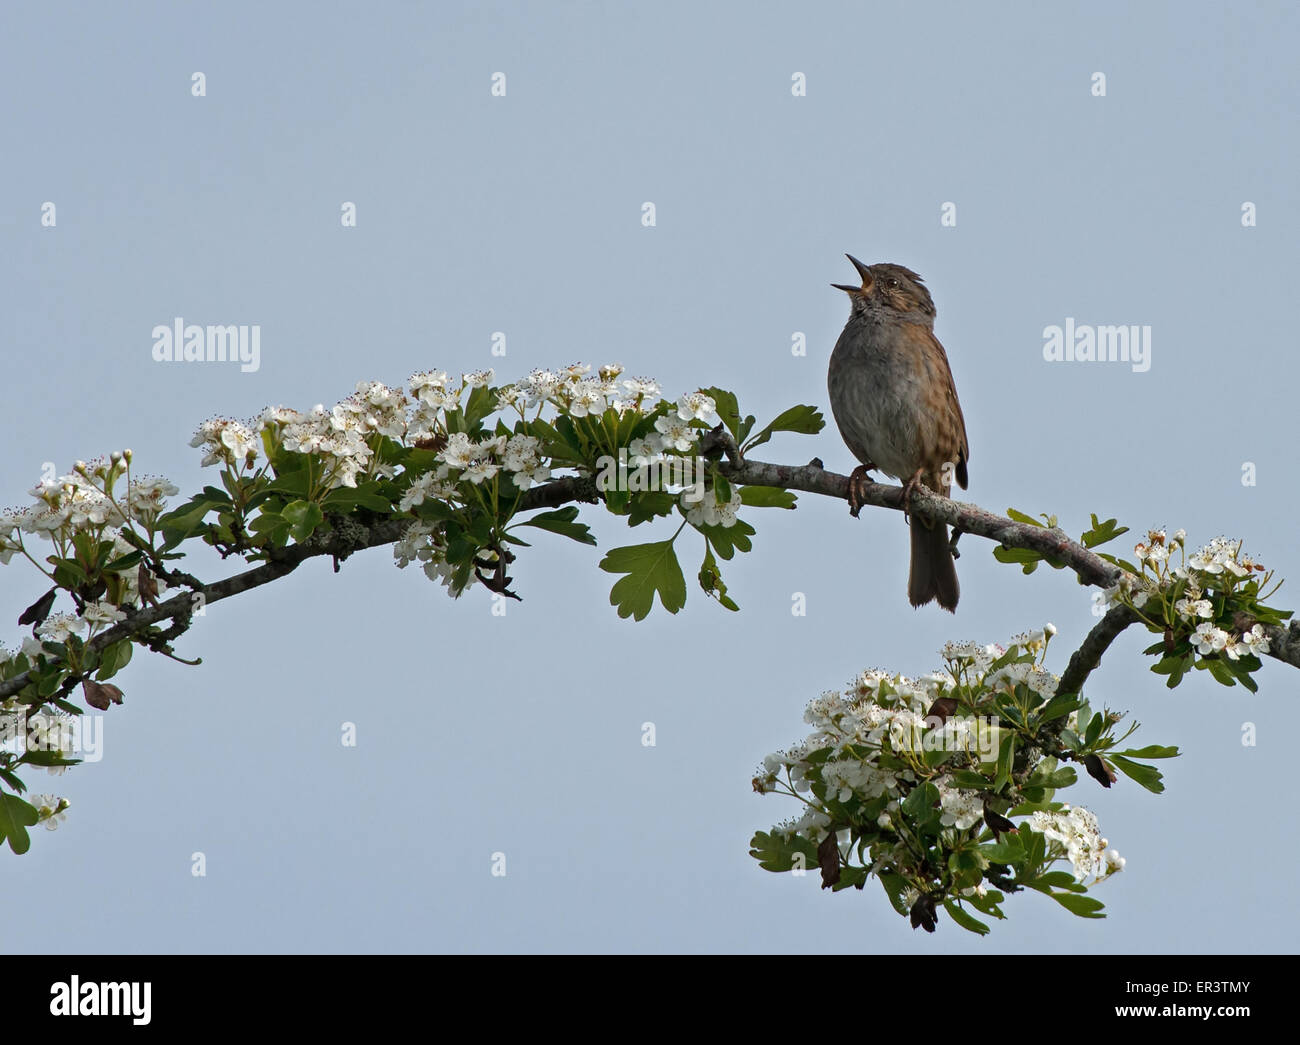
<point>867,755</point>
<point>344,444</point>
<point>477,461</point>
<point>448,416</point>
<point>884,713</point>
<point>341,435</point>
<point>52,809</point>
<point>573,392</point>
<point>1075,829</point>
<point>1194,587</point>
<point>426,544</point>
<point>85,500</point>
<point>709,511</point>
<point>99,499</point>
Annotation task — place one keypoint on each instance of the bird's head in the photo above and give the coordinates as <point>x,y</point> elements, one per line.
<point>887,287</point>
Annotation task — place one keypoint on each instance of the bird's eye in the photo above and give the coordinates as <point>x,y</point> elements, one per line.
<point>893,284</point>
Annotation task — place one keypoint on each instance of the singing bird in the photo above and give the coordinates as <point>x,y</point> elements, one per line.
<point>895,403</point>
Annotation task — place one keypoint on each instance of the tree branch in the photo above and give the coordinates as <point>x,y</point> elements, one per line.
<point>1087,658</point>
<point>967,518</point>
<point>337,543</point>
<point>1089,567</point>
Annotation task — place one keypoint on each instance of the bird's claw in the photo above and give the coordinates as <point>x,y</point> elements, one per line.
<point>909,489</point>
<point>859,480</point>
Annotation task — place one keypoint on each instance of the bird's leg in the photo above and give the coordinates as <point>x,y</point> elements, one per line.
<point>858,483</point>
<point>909,488</point>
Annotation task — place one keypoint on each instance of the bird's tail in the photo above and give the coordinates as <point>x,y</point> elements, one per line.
<point>933,574</point>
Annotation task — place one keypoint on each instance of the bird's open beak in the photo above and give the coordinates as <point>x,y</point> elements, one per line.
<point>863,271</point>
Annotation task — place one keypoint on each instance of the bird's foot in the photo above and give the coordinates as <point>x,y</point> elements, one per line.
<point>859,480</point>
<point>909,489</point>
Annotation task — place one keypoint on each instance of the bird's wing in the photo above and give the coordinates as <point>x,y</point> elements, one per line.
<point>954,406</point>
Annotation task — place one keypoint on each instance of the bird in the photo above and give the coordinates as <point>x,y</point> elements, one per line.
<point>895,404</point>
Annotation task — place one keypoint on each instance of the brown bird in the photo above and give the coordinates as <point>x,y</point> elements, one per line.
<point>894,401</point>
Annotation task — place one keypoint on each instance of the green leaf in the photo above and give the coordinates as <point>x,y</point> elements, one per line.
<point>727,540</point>
<point>1021,517</point>
<point>1242,672</point>
<point>1035,846</point>
<point>217,497</point>
<point>895,887</point>
<point>963,861</point>
<point>134,539</point>
<point>1006,761</point>
<point>67,572</point>
<point>986,904</point>
<point>562,522</point>
<point>1058,880</point>
<point>47,758</point>
<point>15,817</point>
<point>432,511</point>
<point>113,659</point>
<point>1148,776</point>
<point>650,568</point>
<point>183,520</point>
<point>647,505</point>
<point>1083,906</point>
<point>850,877</point>
<point>1028,560</point>
<point>304,517</point>
<point>966,921</point>
<point>729,412</point>
<point>766,497</point>
<point>711,580</point>
<point>481,402</point>
<point>559,443</point>
<point>1094,728</point>
<point>1004,852</point>
<point>805,419</point>
<point>920,801</point>
<point>1054,779</point>
<point>344,499</point>
<point>1102,532</point>
<point>1220,671</point>
<point>272,526</point>
<point>1173,666</point>
<point>1060,705</point>
<point>775,852</point>
<point>125,562</point>
<point>1115,560</point>
<point>1151,751</point>
<point>965,780</point>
